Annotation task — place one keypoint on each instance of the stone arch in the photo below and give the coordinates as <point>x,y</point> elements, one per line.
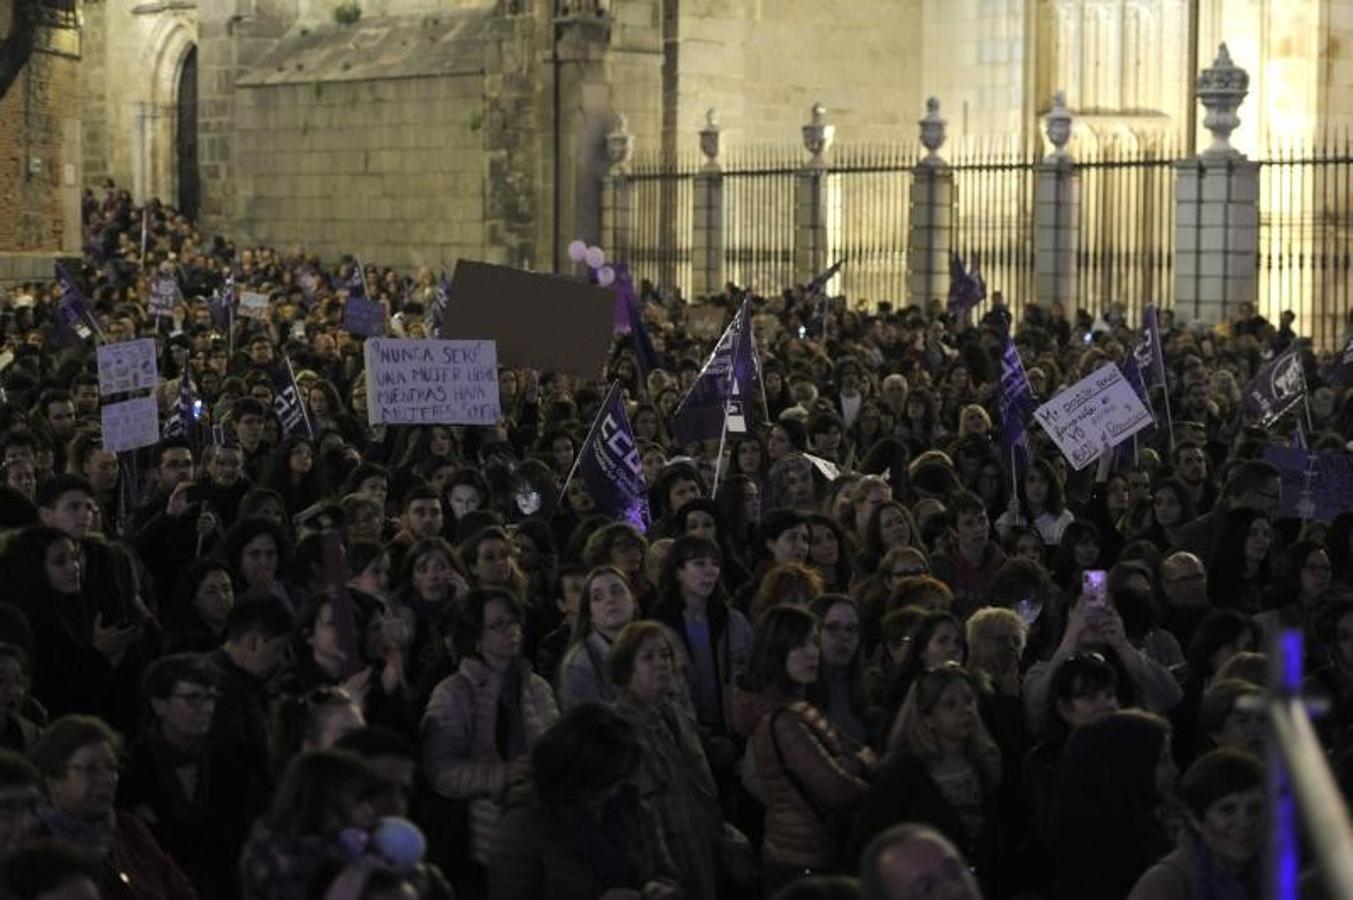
<point>155,128</point>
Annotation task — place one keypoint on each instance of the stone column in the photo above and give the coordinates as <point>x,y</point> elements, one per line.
<point>817,202</point>
<point>1217,208</point>
<point>931,223</point>
<point>1056,213</point>
<point>707,273</point>
<point>617,193</point>
<point>586,115</point>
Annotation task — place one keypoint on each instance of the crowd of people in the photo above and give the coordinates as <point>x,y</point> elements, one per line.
<point>852,657</point>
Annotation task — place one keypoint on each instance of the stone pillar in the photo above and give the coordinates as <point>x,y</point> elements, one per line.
<point>617,193</point>
<point>931,223</point>
<point>817,202</point>
<point>1056,213</point>
<point>1217,208</point>
<point>586,115</point>
<point>707,276</point>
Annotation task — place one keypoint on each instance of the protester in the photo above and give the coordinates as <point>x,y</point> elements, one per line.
<point>894,498</point>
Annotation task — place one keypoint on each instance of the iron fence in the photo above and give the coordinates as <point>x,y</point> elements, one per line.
<point>1125,228</point>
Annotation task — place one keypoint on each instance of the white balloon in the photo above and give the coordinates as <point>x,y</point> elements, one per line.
<point>577,251</point>
<point>596,257</point>
<point>605,276</point>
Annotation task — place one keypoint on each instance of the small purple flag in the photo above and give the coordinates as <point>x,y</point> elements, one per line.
<point>728,391</point>
<point>1017,405</point>
<point>287,401</point>
<point>608,463</point>
<point>1276,388</point>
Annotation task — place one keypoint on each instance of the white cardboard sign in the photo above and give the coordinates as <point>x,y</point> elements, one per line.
<point>1097,412</point>
<point>431,382</point>
<point>253,305</point>
<point>130,425</point>
<point>127,366</point>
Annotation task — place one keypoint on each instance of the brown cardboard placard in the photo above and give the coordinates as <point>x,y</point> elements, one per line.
<point>542,321</point>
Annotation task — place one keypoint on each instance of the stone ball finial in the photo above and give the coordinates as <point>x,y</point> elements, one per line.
<point>932,132</point>
<point>818,135</point>
<point>1221,89</point>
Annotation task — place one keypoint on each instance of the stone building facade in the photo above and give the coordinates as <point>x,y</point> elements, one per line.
<point>427,130</point>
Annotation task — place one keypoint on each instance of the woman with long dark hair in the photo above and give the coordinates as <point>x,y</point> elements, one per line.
<point>1238,572</point>
<point>297,473</point>
<point>810,775</point>
<point>1113,779</point>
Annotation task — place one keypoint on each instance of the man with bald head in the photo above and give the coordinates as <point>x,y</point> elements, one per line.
<point>1184,580</point>
<point>911,862</point>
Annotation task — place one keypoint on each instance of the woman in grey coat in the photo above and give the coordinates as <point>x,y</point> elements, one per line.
<point>608,606</point>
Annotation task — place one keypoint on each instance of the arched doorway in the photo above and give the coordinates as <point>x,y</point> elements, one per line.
<point>185,137</point>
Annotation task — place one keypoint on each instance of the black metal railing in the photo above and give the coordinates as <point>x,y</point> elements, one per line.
<point>1125,210</point>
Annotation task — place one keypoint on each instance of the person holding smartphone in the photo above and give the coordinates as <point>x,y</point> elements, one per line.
<point>1094,624</point>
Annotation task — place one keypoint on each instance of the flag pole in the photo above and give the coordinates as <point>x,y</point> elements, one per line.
<point>1169,417</point>
<point>718,460</point>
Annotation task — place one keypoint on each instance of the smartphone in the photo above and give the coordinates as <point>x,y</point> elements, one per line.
<point>1095,587</point>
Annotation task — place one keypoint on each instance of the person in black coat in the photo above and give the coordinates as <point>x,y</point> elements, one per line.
<point>195,795</point>
<point>943,769</point>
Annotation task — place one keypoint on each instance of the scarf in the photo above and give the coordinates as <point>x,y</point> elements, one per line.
<point>97,835</point>
<point>510,724</point>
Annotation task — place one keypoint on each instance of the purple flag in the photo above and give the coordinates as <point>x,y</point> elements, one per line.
<point>287,401</point>
<point>74,320</point>
<point>182,422</point>
<point>1017,405</point>
<point>645,356</point>
<point>1148,352</point>
<point>728,391</point>
<point>1277,387</point>
<point>608,463</point>
<point>819,282</point>
<point>966,287</point>
<point>1124,453</point>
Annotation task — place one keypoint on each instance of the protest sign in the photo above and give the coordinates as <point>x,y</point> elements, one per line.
<point>542,321</point>
<point>1316,486</point>
<point>130,425</point>
<point>363,317</point>
<point>127,366</point>
<point>253,305</point>
<point>426,382</point>
<point>1097,412</point>
<point>164,293</point>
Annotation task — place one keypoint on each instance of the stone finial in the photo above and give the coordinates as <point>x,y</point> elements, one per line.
<point>1221,89</point>
<point>932,132</point>
<point>818,136</point>
<point>1058,124</point>
<point>709,139</point>
<point>619,146</point>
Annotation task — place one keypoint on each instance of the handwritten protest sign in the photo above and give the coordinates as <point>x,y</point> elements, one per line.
<point>363,317</point>
<point>423,382</point>
<point>127,366</point>
<point>130,425</point>
<point>1097,412</point>
<point>253,305</point>
<point>1316,486</point>
<point>164,293</point>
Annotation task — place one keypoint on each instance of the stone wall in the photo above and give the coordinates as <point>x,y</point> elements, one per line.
<point>39,148</point>
<point>392,169</point>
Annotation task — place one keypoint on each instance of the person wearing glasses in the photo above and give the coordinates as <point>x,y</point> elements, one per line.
<point>482,722</point>
<point>80,761</point>
<point>193,793</point>
<point>840,689</point>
